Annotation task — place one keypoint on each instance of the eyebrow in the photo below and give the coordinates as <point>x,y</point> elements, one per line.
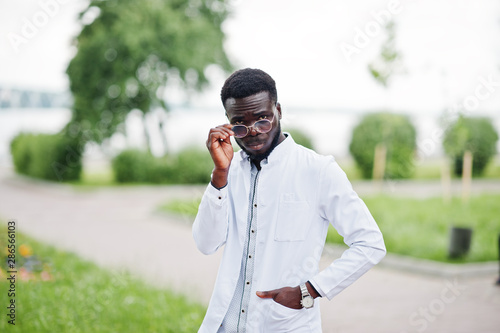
<point>256,113</point>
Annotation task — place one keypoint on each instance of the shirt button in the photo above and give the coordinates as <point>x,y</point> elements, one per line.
<point>250,256</point>
<point>255,205</point>
<point>220,198</point>
<point>242,311</point>
<point>253,231</point>
<point>248,282</point>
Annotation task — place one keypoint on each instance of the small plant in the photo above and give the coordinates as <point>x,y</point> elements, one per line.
<point>29,266</point>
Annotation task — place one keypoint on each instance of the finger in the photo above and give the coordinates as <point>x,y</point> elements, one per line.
<point>228,128</point>
<point>267,294</point>
<point>220,134</point>
<point>217,135</point>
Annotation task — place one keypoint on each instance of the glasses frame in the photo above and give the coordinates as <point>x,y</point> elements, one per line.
<point>253,126</point>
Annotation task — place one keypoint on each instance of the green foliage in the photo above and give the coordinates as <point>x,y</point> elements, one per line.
<point>132,166</point>
<point>20,150</point>
<point>474,134</point>
<point>47,156</point>
<point>421,227</point>
<point>131,50</point>
<point>190,166</point>
<point>301,138</point>
<point>390,60</point>
<point>193,166</point>
<point>394,131</point>
<point>81,297</point>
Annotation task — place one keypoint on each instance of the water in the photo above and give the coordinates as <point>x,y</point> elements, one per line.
<point>330,130</point>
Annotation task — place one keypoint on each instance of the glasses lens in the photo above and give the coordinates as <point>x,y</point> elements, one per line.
<point>263,126</point>
<point>239,131</point>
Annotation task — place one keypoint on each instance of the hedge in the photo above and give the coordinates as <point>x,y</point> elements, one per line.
<point>190,166</point>
<point>46,156</point>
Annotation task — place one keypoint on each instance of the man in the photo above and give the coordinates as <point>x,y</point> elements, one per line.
<point>270,205</point>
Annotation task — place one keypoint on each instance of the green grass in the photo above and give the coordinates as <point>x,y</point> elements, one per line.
<point>103,177</point>
<point>419,228</point>
<point>82,297</point>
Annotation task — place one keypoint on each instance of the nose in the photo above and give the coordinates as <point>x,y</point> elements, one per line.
<point>252,131</point>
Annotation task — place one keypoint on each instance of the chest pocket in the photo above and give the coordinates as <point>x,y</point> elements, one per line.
<point>293,219</point>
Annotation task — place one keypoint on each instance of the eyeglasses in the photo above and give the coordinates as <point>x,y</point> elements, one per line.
<point>261,126</point>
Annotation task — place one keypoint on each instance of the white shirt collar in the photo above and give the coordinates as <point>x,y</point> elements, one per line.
<point>278,152</point>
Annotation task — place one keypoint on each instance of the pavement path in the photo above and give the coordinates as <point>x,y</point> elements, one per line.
<point>119,228</point>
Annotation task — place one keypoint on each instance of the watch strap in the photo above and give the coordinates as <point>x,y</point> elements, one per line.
<point>304,291</point>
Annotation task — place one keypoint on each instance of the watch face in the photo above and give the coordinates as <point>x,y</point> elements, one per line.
<point>307,302</point>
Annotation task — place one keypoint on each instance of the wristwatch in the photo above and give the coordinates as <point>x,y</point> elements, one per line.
<point>307,300</point>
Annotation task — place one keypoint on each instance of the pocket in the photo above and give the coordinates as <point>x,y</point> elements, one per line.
<point>283,319</point>
<point>293,221</point>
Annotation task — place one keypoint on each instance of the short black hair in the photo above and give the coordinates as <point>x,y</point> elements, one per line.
<point>247,82</point>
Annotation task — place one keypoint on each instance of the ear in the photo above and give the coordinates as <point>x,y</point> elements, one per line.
<point>278,107</point>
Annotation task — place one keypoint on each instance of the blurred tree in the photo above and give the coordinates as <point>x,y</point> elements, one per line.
<point>300,137</point>
<point>390,60</point>
<point>129,50</point>
<point>396,133</point>
<point>474,134</point>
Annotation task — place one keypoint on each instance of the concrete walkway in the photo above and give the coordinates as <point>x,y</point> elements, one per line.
<point>118,228</point>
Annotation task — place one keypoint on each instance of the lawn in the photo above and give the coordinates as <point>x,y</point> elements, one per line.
<point>59,292</point>
<point>419,228</point>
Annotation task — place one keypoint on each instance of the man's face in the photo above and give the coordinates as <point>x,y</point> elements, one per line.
<point>248,110</point>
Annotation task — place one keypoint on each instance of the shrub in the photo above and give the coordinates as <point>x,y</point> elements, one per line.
<point>190,166</point>
<point>193,166</point>
<point>132,165</point>
<point>474,134</point>
<point>47,156</point>
<point>301,138</point>
<point>21,152</point>
<point>398,135</point>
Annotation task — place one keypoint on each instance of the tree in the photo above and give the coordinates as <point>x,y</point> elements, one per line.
<point>390,60</point>
<point>396,133</point>
<point>129,52</point>
<point>474,134</point>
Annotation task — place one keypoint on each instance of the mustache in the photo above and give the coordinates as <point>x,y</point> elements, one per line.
<point>254,142</point>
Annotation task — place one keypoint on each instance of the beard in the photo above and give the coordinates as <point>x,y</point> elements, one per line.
<point>260,157</point>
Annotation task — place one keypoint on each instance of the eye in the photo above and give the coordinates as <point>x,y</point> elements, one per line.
<point>262,117</point>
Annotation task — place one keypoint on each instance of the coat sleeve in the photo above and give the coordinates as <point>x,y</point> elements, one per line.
<point>211,223</point>
<point>348,214</point>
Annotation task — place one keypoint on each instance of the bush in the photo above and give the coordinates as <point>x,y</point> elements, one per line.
<point>398,135</point>
<point>47,156</point>
<point>301,138</point>
<point>21,152</point>
<point>190,166</point>
<point>474,134</point>
<point>132,165</point>
<point>193,166</point>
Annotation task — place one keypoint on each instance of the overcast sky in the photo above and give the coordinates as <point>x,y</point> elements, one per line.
<point>450,48</point>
